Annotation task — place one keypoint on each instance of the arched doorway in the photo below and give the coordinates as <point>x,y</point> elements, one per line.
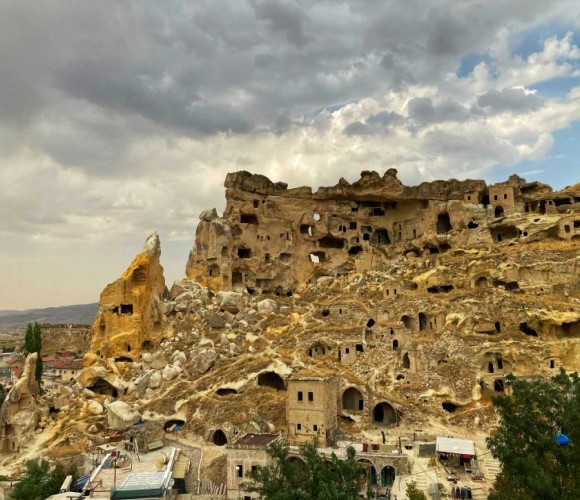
<point>219,438</point>
<point>368,475</point>
<point>498,212</point>
<point>385,414</point>
<point>388,474</point>
<point>271,379</point>
<point>481,282</point>
<point>352,399</point>
<point>408,321</point>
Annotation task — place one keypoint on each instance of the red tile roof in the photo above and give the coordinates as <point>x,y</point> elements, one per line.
<point>68,364</point>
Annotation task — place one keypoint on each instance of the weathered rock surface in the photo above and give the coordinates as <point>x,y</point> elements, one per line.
<point>121,415</point>
<point>20,412</point>
<point>422,300</point>
<point>129,318</point>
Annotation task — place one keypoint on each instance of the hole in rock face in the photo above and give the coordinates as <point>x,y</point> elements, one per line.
<point>352,399</point>
<point>173,425</point>
<point>450,407</point>
<point>384,414</point>
<point>101,386</point>
<point>219,438</point>
<point>225,391</point>
<point>272,380</point>
<point>248,219</point>
<point>355,250</point>
<point>498,385</point>
<point>370,323</point>
<point>524,328</point>
<point>443,223</point>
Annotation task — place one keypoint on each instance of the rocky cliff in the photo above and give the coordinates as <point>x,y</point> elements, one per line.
<point>415,301</point>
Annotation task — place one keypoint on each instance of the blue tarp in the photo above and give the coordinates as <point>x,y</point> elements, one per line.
<point>81,483</point>
<point>562,439</point>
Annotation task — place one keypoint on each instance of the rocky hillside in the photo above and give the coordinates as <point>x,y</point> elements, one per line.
<point>419,302</point>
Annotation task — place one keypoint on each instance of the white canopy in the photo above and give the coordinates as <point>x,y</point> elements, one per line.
<point>455,446</point>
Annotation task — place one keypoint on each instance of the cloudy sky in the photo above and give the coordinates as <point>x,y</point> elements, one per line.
<point>118,119</point>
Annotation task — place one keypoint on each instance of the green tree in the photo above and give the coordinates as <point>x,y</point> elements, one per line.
<point>33,343</point>
<point>534,464</point>
<point>39,481</point>
<point>414,493</point>
<point>37,338</point>
<point>29,339</point>
<point>314,477</point>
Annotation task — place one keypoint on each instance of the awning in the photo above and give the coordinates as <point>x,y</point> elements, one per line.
<point>455,446</point>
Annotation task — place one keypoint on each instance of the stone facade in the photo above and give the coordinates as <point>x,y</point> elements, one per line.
<point>243,456</point>
<point>311,409</point>
<point>272,238</point>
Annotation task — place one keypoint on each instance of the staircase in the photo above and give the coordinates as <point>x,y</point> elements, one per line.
<point>491,468</point>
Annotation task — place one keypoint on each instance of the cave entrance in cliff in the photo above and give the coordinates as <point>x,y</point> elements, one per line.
<point>272,380</point>
<point>126,309</point>
<point>385,414</point>
<point>481,282</point>
<point>355,250</point>
<point>352,399</point>
<point>406,361</point>
<point>101,386</point>
<point>237,278</point>
<point>173,425</point>
<point>331,242</point>
<point>409,322</point>
<point>443,223</point>
<point>219,438</point>
<point>423,321</point>
<point>381,237</point>
<point>524,328</point>
<point>498,385</point>
<point>449,407</point>
<point>226,391</point>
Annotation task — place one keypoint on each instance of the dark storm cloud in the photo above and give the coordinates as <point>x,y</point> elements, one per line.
<point>422,111</point>
<point>202,68</point>
<point>378,123</point>
<point>285,18</point>
<point>509,100</point>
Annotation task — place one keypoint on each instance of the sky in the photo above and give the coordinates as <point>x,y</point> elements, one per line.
<point>118,119</point>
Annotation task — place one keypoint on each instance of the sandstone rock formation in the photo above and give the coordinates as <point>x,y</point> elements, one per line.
<point>21,412</point>
<point>129,320</point>
<point>415,301</point>
<point>272,238</point>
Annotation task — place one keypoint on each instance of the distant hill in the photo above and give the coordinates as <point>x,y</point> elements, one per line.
<point>77,314</point>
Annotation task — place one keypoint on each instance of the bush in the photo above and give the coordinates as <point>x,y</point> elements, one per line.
<point>40,481</point>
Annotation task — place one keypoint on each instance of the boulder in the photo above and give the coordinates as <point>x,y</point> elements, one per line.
<point>267,306</point>
<point>230,301</point>
<point>155,380</point>
<point>216,321</point>
<point>171,371</point>
<point>203,359</point>
<point>121,416</point>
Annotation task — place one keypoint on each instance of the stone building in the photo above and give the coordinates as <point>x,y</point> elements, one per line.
<point>311,409</point>
<point>243,456</point>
